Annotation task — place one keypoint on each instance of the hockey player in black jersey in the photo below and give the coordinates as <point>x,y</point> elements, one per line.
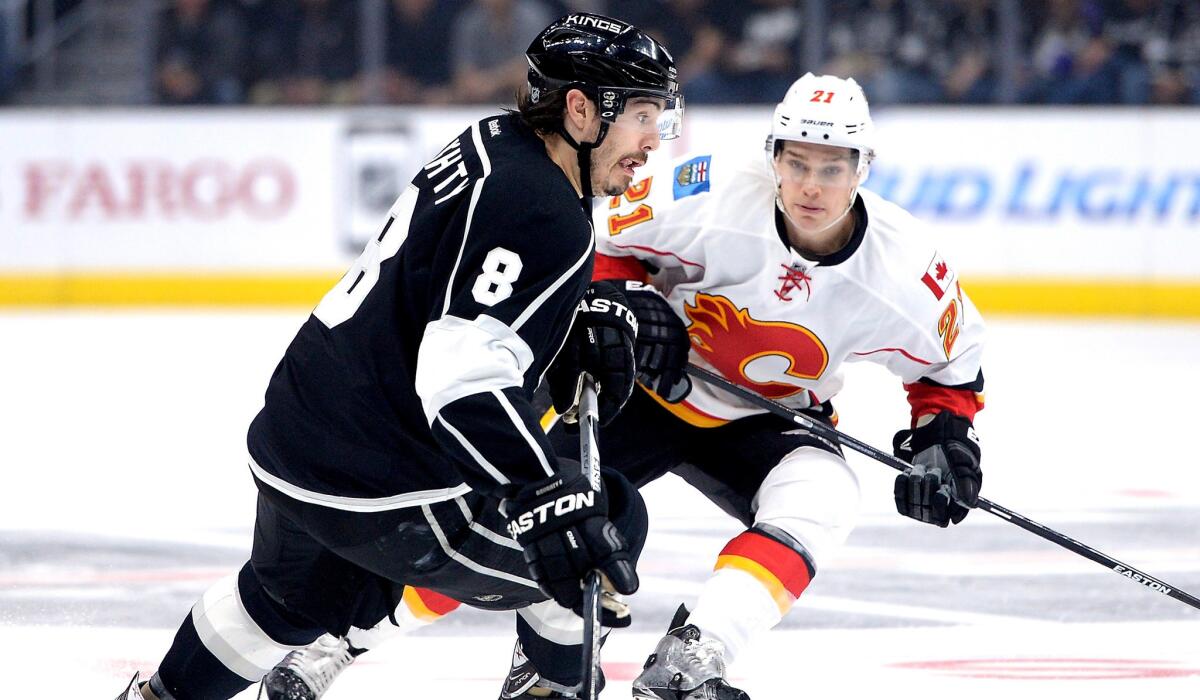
<point>397,445</point>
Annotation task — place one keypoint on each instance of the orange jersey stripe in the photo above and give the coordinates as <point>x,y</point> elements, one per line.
<point>686,412</point>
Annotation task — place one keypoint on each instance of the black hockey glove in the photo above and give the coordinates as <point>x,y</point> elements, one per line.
<point>564,529</point>
<point>662,344</point>
<point>600,343</point>
<point>943,483</point>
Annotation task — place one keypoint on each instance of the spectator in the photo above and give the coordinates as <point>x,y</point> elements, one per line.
<point>200,54</point>
<point>1132,32</point>
<point>968,51</point>
<point>891,47</point>
<point>418,65</point>
<point>1186,49</point>
<point>6,62</point>
<point>761,42</point>
<point>488,48</point>
<point>1061,37</point>
<point>311,53</point>
<point>558,8</point>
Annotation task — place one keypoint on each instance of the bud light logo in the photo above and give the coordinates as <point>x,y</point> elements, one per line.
<point>1033,192</point>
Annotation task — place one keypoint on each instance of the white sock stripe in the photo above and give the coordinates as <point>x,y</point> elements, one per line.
<point>553,622</point>
<point>228,632</point>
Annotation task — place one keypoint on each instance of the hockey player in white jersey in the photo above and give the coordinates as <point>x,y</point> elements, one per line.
<point>773,272</point>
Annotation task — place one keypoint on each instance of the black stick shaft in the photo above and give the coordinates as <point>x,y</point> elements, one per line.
<point>589,459</point>
<point>829,433</point>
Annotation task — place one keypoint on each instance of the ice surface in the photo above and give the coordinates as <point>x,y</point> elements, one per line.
<point>125,494</point>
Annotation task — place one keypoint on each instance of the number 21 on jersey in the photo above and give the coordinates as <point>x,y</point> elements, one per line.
<point>636,193</point>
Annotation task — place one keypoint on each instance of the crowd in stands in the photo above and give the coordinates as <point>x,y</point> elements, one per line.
<point>732,52</point>
<point>7,62</point>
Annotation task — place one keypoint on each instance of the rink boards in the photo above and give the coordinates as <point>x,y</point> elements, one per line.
<point>1043,211</point>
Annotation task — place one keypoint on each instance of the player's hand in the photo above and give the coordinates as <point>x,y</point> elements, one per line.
<point>564,529</point>
<point>943,483</point>
<point>600,343</point>
<point>662,344</point>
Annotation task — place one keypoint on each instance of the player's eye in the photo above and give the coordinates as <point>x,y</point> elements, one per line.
<point>833,170</point>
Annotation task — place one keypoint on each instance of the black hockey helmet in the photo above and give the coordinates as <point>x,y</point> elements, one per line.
<point>610,61</point>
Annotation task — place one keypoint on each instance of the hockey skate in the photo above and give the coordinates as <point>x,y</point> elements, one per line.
<point>132,691</point>
<point>525,683</point>
<point>305,674</point>
<point>685,667</point>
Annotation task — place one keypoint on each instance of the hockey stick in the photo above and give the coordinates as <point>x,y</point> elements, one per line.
<point>589,459</point>
<point>1017,519</point>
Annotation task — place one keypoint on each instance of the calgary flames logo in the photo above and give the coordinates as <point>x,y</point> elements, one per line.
<point>729,339</point>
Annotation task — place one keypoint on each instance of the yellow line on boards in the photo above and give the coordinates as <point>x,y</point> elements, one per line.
<point>1093,298</point>
<point>151,290</point>
<point>1057,297</point>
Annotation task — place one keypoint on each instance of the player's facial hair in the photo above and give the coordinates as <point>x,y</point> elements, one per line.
<point>609,188</point>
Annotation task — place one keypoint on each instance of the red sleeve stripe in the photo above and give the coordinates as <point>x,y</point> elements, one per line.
<point>427,605</point>
<point>902,351</point>
<point>927,398</point>
<point>780,569</point>
<point>663,253</point>
<point>626,267</point>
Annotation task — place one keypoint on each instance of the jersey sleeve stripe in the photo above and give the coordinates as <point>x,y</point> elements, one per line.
<point>475,454</point>
<point>524,431</point>
<point>661,253</point>
<point>458,358</point>
<point>902,351</point>
<point>475,193</point>
<point>549,291</point>
<point>485,161</point>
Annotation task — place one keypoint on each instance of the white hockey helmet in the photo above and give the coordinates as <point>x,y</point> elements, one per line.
<point>828,110</point>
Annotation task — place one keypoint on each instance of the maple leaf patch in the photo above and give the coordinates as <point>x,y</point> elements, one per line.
<point>938,276</point>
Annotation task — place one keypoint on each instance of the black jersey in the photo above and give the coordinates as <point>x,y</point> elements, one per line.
<point>411,382</point>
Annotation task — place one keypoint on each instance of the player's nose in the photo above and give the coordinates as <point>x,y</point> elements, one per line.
<point>652,141</point>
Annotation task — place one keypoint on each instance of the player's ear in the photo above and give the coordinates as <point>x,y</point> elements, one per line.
<point>579,112</point>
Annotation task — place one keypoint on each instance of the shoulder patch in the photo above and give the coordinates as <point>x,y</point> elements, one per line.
<point>692,177</point>
<point>938,276</point>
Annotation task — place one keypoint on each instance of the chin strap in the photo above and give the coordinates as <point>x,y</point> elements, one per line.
<point>584,152</point>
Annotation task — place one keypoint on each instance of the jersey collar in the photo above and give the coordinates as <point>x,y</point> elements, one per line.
<point>839,256</point>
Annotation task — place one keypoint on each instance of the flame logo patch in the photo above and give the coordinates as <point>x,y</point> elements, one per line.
<point>730,339</point>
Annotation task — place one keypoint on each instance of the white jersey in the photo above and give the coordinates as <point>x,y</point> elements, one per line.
<point>778,323</point>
